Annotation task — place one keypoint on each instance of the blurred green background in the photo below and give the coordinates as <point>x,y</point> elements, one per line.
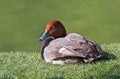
<point>23,21</point>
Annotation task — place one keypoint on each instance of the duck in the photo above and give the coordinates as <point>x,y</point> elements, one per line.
<point>61,48</point>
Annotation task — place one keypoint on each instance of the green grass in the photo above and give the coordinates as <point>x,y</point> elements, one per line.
<point>29,65</point>
<point>23,21</point>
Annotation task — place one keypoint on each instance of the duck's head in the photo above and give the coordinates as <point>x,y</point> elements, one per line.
<point>54,29</point>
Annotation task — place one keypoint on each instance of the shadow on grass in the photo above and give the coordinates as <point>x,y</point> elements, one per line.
<point>106,57</point>
<point>55,78</point>
<point>113,72</point>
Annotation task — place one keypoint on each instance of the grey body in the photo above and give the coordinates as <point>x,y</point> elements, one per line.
<point>68,49</point>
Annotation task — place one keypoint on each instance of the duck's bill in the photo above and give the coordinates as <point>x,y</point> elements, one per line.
<point>44,36</point>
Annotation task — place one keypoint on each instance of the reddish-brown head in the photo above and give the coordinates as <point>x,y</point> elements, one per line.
<point>55,29</point>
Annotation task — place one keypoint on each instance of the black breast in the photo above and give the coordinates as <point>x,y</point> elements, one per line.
<point>44,44</point>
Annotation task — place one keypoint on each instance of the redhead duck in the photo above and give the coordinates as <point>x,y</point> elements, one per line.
<point>61,48</point>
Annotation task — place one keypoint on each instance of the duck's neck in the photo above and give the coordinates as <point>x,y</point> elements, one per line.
<point>44,44</point>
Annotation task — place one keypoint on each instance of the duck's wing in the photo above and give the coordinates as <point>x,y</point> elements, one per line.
<point>72,46</point>
<point>67,51</point>
<point>88,51</point>
<point>68,48</point>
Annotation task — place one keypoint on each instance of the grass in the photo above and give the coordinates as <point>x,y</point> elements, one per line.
<point>29,65</point>
<point>23,21</point>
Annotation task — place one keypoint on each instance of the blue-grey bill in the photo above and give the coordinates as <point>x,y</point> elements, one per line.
<point>44,36</point>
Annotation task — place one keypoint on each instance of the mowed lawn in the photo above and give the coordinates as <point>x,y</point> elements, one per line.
<point>23,21</point>
<point>29,65</point>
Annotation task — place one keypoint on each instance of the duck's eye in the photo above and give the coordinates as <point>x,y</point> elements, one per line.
<point>53,27</point>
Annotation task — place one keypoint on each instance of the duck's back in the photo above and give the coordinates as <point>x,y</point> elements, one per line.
<point>73,42</point>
